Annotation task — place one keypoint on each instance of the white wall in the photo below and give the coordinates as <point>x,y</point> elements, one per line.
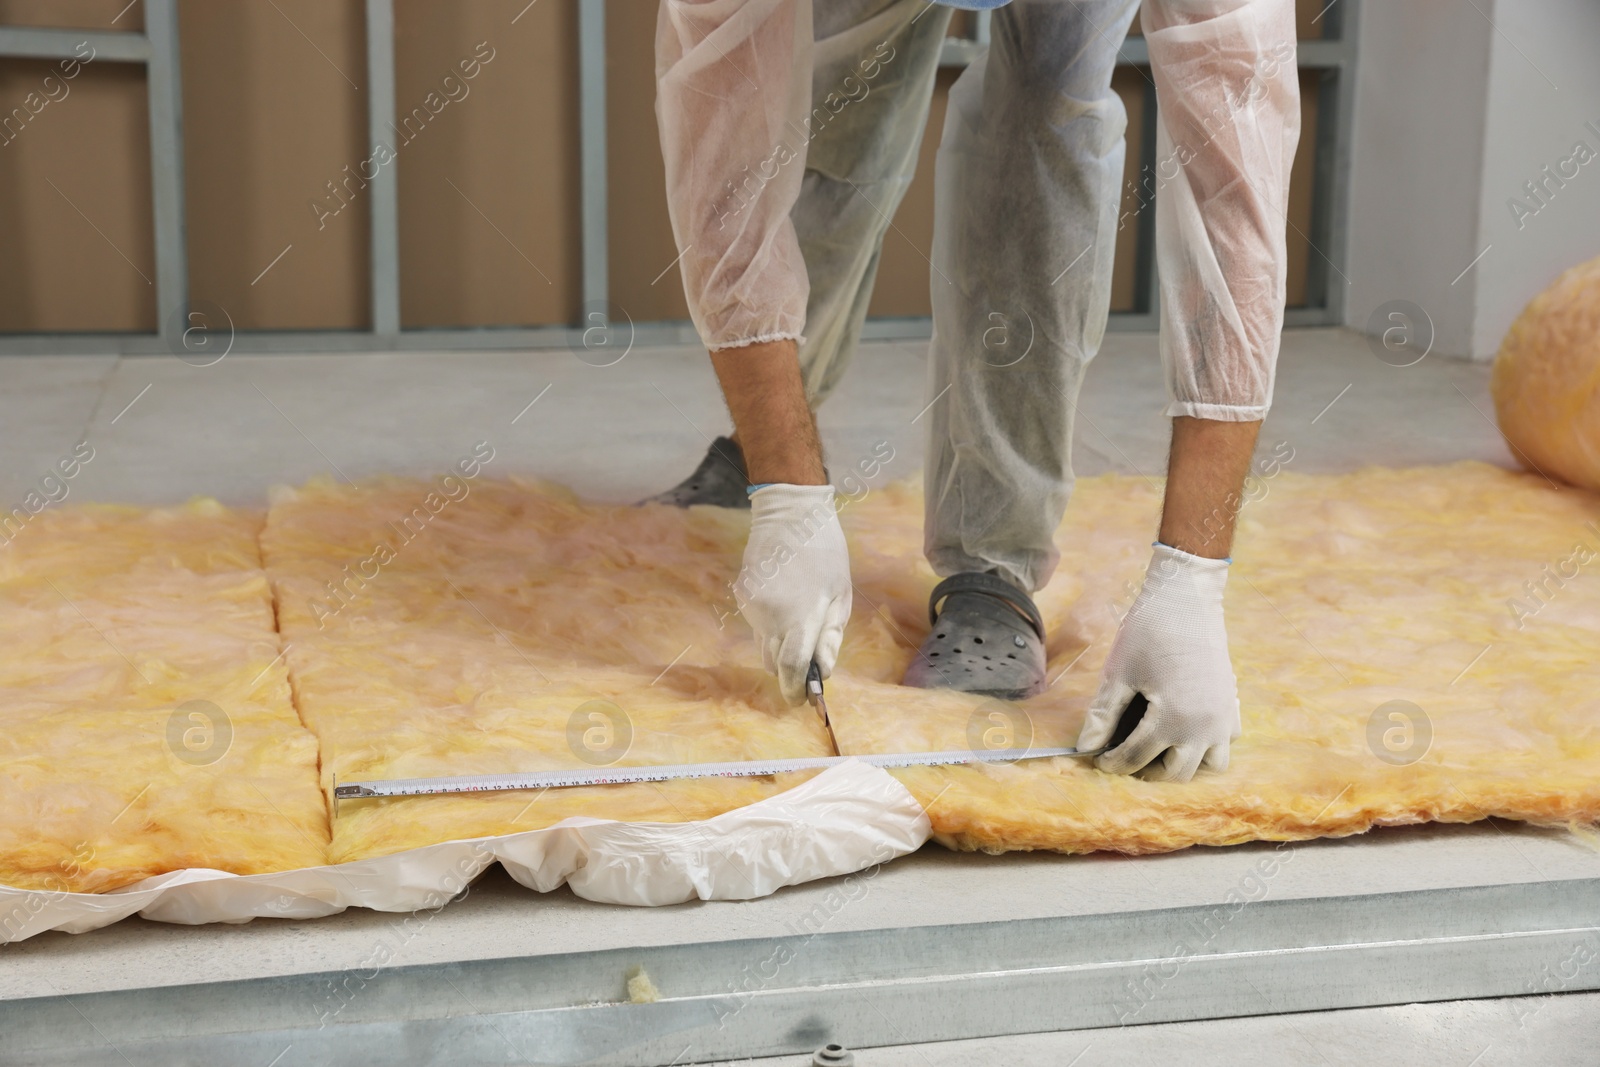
<point>1422,71</point>
<point>1544,87</point>
<point>1458,104</point>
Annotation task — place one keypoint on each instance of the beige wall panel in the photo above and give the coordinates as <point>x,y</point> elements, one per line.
<point>904,267</point>
<point>1301,174</point>
<point>1129,84</point>
<point>640,241</point>
<point>489,186</point>
<point>75,199</point>
<point>76,14</point>
<point>274,109</point>
<point>1310,18</point>
<point>274,98</point>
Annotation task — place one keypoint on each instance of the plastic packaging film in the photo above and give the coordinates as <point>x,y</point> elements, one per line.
<point>846,819</point>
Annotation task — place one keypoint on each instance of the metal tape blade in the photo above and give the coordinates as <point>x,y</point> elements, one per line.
<point>562,779</point>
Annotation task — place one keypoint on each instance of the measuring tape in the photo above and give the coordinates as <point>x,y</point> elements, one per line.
<point>500,783</point>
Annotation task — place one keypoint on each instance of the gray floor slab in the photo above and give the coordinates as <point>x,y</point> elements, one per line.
<point>164,430</point>
<point>46,406</point>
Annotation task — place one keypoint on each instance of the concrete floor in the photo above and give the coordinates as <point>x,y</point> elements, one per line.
<point>163,431</point>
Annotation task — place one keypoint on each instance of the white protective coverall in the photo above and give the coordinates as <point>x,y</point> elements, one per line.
<point>764,160</point>
<point>790,134</point>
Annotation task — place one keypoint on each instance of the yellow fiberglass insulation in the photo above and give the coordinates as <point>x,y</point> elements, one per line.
<point>1469,592</point>
<point>1546,383</point>
<point>1410,645</point>
<point>509,627</point>
<point>145,718</point>
<point>506,627</point>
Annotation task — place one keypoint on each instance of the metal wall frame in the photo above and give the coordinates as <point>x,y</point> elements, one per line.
<point>157,49</point>
<point>1334,56</point>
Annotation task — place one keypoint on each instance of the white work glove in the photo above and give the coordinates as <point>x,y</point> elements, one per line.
<point>794,587</point>
<point>1172,647</point>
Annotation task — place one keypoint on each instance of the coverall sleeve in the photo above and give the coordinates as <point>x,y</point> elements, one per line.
<point>733,87</point>
<point>1228,94</point>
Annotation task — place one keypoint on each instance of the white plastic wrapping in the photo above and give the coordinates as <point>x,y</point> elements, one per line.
<point>733,85</point>
<point>845,819</point>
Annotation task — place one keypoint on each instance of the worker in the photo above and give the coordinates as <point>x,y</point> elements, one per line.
<point>789,136</point>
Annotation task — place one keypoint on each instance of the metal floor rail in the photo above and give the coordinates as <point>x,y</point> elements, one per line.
<point>772,996</point>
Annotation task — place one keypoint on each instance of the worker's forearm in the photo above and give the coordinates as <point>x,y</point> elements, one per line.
<point>772,421</point>
<point>1205,484</point>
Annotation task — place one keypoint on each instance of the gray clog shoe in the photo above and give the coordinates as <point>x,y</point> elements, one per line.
<point>987,638</point>
<point>720,480</point>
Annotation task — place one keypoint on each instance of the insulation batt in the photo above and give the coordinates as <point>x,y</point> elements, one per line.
<point>1467,590</point>
<point>1347,592</point>
<point>519,630</point>
<point>512,609</point>
<point>111,618</point>
<point>1546,382</point>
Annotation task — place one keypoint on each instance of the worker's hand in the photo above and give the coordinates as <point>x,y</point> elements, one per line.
<point>794,587</point>
<point>1171,647</point>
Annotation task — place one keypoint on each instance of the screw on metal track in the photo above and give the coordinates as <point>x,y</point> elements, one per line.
<point>833,1055</point>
